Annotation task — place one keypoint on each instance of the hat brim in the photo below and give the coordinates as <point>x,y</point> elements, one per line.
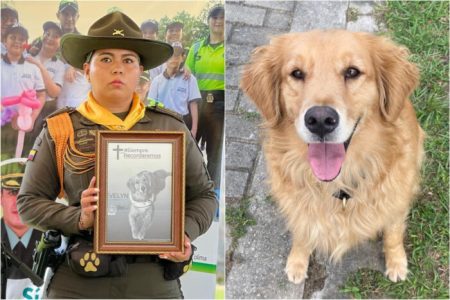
<point>75,48</point>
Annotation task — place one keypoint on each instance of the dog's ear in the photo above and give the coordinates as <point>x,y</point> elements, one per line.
<point>130,184</point>
<point>261,82</point>
<point>159,180</point>
<point>397,77</point>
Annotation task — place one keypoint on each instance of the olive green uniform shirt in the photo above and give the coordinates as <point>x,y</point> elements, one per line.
<point>40,185</point>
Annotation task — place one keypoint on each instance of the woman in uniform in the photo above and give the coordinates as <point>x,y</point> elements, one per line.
<point>113,55</point>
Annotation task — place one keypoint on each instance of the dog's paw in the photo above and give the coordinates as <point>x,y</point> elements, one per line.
<point>296,270</point>
<point>396,269</point>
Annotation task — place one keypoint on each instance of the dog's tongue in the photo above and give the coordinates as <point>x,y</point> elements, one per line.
<point>326,160</point>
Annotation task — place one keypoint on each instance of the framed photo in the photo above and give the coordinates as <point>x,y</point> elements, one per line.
<point>140,175</point>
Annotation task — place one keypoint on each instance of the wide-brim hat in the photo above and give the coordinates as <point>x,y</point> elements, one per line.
<point>114,31</point>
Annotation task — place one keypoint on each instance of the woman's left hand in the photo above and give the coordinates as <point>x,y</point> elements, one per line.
<point>179,256</point>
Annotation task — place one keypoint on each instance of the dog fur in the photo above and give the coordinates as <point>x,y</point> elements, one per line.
<point>382,163</point>
<point>144,187</point>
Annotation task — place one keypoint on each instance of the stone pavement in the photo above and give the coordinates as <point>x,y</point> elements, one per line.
<point>256,261</point>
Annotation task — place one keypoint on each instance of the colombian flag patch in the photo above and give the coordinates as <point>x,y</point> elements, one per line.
<point>32,154</point>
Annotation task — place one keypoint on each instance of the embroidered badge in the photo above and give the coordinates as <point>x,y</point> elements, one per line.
<point>32,154</point>
<point>118,32</point>
<point>90,262</point>
<point>82,133</point>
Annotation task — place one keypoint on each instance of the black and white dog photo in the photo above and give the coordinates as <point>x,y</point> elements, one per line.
<point>144,188</point>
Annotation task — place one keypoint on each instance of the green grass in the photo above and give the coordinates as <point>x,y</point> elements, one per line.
<point>239,219</point>
<point>423,28</point>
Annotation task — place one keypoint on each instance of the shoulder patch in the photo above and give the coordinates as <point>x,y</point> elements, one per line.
<point>67,109</point>
<point>163,110</point>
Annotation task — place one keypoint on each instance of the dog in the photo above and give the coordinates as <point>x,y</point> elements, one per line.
<point>341,139</point>
<point>144,188</point>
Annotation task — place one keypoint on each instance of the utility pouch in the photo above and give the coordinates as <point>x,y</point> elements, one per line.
<point>85,262</point>
<point>173,270</point>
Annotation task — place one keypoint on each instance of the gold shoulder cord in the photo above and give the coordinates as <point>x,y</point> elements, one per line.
<point>61,130</point>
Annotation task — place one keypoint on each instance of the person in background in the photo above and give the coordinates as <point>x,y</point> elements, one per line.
<point>174,32</point>
<point>10,17</point>
<point>176,93</point>
<point>17,237</point>
<point>75,87</point>
<point>143,87</point>
<point>113,64</point>
<point>207,63</point>
<point>18,77</point>
<point>52,70</point>
<point>68,15</point>
<point>150,29</point>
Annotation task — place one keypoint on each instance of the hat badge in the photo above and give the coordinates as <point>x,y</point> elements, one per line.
<point>118,32</point>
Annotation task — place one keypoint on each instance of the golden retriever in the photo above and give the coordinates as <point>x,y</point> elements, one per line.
<point>341,139</point>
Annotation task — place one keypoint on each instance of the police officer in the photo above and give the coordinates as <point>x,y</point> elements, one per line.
<point>113,64</point>
<point>207,63</point>
<point>17,237</point>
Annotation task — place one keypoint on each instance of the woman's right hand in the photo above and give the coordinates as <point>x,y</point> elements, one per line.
<point>88,202</point>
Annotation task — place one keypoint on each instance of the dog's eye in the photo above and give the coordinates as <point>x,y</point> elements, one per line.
<point>298,74</point>
<point>351,73</point>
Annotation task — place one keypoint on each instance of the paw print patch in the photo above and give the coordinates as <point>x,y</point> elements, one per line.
<point>90,262</point>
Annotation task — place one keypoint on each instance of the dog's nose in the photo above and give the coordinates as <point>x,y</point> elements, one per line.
<point>321,120</point>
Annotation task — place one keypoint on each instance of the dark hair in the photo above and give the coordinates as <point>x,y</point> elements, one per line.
<point>9,11</point>
<point>17,29</point>
<point>216,11</point>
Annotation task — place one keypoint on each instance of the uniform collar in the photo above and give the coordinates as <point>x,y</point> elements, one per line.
<point>14,239</point>
<point>166,75</point>
<point>85,121</point>
<point>207,42</point>
<point>6,59</point>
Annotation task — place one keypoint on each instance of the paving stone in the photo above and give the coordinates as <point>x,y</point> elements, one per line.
<point>228,29</point>
<point>368,255</point>
<point>278,19</point>
<point>362,7</point>
<point>240,155</point>
<point>281,5</point>
<point>363,23</point>
<point>238,54</point>
<point>311,15</point>
<point>246,105</point>
<point>244,14</point>
<point>261,254</point>
<point>259,187</point>
<point>232,77</point>
<point>255,36</point>
<point>241,127</point>
<point>231,96</point>
<point>236,182</point>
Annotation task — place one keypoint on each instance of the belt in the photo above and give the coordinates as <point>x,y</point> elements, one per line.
<point>213,96</point>
<point>134,259</point>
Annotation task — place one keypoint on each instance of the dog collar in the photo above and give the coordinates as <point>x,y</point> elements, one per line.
<point>141,204</point>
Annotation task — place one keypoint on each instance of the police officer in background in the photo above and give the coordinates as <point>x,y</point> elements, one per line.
<point>207,63</point>
<point>17,237</point>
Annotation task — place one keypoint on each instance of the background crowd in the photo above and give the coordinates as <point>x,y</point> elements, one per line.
<point>36,81</point>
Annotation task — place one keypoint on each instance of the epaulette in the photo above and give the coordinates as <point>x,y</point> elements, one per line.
<point>165,111</point>
<point>67,109</point>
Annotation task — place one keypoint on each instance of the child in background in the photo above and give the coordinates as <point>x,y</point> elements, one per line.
<point>175,92</point>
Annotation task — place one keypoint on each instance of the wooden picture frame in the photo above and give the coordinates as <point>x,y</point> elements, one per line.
<point>140,175</point>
